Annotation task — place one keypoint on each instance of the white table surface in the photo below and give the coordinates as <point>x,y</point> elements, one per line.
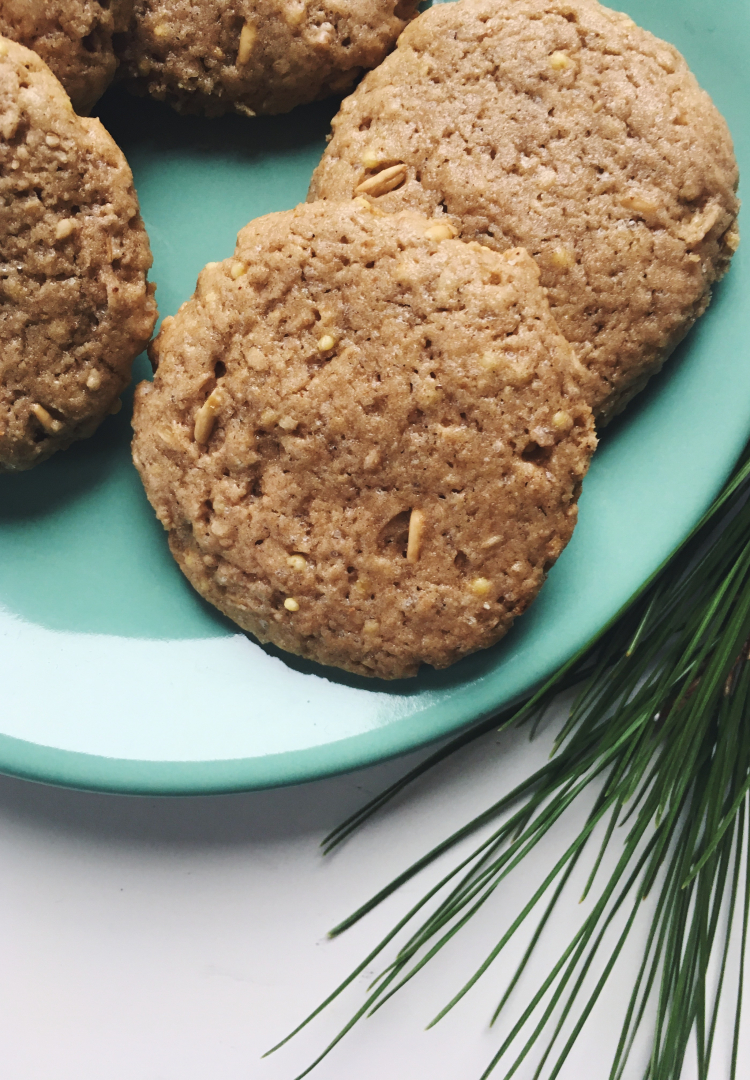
<point>177,939</point>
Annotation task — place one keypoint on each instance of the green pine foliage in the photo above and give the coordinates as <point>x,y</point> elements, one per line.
<point>660,731</point>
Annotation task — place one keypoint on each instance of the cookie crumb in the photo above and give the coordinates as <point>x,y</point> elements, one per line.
<point>248,36</point>
<point>294,13</point>
<point>324,35</point>
<point>442,231</point>
<point>416,531</point>
<point>563,258</point>
<point>560,61</point>
<point>371,159</point>
<point>205,418</point>
<point>48,422</point>
<point>562,421</point>
<point>65,228</point>
<point>268,418</point>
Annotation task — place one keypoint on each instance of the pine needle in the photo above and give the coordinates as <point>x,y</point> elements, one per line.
<point>660,725</point>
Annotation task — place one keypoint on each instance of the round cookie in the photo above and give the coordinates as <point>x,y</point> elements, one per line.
<point>74,37</point>
<point>365,438</point>
<point>256,56</point>
<point>562,127</point>
<point>75,306</point>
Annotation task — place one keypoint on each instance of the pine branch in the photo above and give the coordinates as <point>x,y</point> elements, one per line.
<point>660,729</point>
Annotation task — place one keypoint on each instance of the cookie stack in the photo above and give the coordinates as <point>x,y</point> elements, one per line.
<point>368,429</point>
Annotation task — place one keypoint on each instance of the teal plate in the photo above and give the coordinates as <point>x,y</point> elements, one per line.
<point>116,676</point>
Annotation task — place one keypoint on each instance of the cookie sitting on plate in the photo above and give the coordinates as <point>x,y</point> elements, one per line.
<point>256,56</point>
<point>560,126</point>
<point>74,37</point>
<point>75,305</point>
<point>365,438</point>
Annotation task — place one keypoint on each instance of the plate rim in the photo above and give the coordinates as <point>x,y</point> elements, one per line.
<point>80,771</point>
<point>141,776</point>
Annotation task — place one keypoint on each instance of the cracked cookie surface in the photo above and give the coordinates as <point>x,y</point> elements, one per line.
<point>256,56</point>
<point>562,127</point>
<point>365,438</point>
<point>75,306</point>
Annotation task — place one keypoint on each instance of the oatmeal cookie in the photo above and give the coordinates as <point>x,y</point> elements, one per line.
<point>75,306</point>
<point>365,438</point>
<point>74,37</point>
<point>256,56</point>
<point>562,127</point>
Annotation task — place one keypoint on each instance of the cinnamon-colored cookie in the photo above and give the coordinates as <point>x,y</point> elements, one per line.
<point>256,56</point>
<point>74,37</point>
<point>75,306</point>
<point>365,438</point>
<point>562,127</point>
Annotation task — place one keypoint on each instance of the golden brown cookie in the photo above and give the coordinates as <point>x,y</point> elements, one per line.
<point>74,37</point>
<point>365,438</point>
<point>256,56</point>
<point>562,127</point>
<point>75,306</point>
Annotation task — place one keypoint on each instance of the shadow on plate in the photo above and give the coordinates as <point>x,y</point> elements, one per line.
<point>467,670</point>
<point>141,121</point>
